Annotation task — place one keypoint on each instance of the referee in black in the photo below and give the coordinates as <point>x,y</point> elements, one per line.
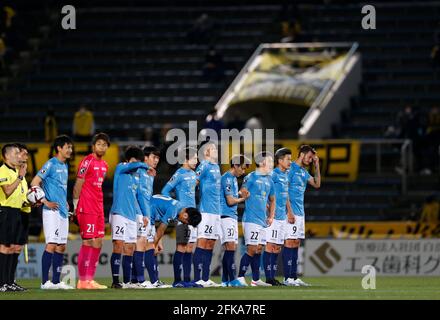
<point>13,189</point>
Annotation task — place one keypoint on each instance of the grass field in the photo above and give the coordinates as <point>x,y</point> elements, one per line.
<point>408,288</point>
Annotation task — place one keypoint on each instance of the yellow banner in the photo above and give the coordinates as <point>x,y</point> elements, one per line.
<point>39,153</point>
<point>372,230</point>
<point>339,159</point>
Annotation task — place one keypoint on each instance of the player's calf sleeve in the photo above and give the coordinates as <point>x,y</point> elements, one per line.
<point>255,266</point>
<point>11,272</point>
<point>294,268</point>
<point>177,266</point>
<point>57,263</point>
<point>138,267</point>
<point>187,261</point>
<point>14,266</point>
<point>206,264</point>
<point>156,267</point>
<point>94,259</point>
<point>126,268</point>
<point>115,262</point>
<point>274,263</point>
<point>46,262</point>
<point>149,264</point>
<point>244,264</point>
<point>267,258</point>
<point>230,264</point>
<point>198,263</point>
<point>225,267</point>
<point>287,261</point>
<point>2,269</point>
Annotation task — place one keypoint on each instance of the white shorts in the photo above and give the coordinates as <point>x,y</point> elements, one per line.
<point>56,228</point>
<point>141,230</point>
<point>209,227</point>
<point>275,232</point>
<point>254,234</point>
<point>193,234</point>
<point>151,232</point>
<point>296,230</point>
<point>229,230</point>
<point>123,229</point>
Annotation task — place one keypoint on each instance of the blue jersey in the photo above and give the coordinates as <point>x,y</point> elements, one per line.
<point>54,174</point>
<point>128,199</point>
<point>183,182</point>
<point>164,209</point>
<point>260,188</point>
<point>229,188</point>
<point>298,178</point>
<point>208,174</point>
<point>281,184</point>
<point>146,183</point>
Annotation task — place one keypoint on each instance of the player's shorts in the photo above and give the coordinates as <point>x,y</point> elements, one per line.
<point>56,228</point>
<point>254,234</point>
<point>209,227</point>
<point>141,230</point>
<point>296,230</point>
<point>229,230</point>
<point>275,232</point>
<point>91,225</point>
<point>185,234</point>
<point>123,229</point>
<point>11,226</point>
<point>151,233</point>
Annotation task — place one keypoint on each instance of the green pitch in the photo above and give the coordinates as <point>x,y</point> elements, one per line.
<point>326,288</point>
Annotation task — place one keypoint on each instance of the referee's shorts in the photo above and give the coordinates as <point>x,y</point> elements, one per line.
<point>14,226</point>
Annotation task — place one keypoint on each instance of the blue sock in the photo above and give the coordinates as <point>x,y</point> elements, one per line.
<point>198,263</point>
<point>230,264</point>
<point>149,263</point>
<point>207,265</point>
<point>225,268</point>
<point>46,262</point>
<point>274,263</point>
<point>127,262</point>
<point>138,267</point>
<point>115,262</point>
<point>287,261</point>
<point>293,273</point>
<point>177,266</point>
<point>57,264</point>
<point>187,260</point>
<point>156,267</point>
<point>267,257</point>
<point>244,264</point>
<point>255,266</point>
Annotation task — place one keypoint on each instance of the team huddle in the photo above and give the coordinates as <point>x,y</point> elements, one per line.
<point>273,217</point>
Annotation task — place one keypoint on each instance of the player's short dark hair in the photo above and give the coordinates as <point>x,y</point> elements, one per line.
<point>260,156</point>
<point>60,141</point>
<point>281,153</point>
<point>194,216</point>
<point>134,152</point>
<point>151,150</point>
<point>204,144</point>
<point>101,136</point>
<point>6,148</point>
<point>239,160</point>
<point>21,146</point>
<point>305,148</point>
<point>189,152</point>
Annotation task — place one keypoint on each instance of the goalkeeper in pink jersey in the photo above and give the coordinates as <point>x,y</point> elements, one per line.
<point>88,201</point>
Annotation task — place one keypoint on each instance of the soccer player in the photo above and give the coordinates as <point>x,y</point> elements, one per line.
<point>12,193</point>
<point>298,178</point>
<point>208,177</point>
<point>260,186</point>
<point>151,158</point>
<point>165,210</point>
<point>88,201</point>
<point>283,211</point>
<point>183,183</point>
<point>229,200</point>
<point>128,200</point>
<point>53,178</point>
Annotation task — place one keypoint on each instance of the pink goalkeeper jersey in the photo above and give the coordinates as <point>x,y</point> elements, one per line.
<point>91,199</point>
